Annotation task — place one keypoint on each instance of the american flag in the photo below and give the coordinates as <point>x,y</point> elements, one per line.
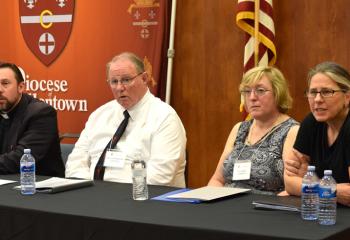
<point>255,18</point>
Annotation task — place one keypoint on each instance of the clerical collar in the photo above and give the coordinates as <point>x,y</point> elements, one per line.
<point>10,113</point>
<point>4,115</point>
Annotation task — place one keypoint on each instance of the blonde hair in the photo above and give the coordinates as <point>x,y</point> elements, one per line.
<point>279,85</point>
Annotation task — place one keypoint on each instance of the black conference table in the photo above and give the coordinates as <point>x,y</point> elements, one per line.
<point>107,211</point>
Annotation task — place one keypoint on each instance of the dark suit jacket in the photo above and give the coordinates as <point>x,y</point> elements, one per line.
<point>34,126</point>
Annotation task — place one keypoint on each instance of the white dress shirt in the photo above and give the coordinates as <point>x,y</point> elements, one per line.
<point>154,132</point>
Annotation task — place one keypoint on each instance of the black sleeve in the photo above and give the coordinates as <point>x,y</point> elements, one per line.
<point>37,131</point>
<point>346,139</point>
<point>303,140</point>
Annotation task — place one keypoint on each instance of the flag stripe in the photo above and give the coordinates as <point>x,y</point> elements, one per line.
<point>245,19</point>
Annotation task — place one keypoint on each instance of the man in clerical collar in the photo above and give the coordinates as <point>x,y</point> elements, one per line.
<point>26,122</point>
<point>11,89</point>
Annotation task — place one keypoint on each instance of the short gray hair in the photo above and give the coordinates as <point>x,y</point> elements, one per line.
<point>138,63</point>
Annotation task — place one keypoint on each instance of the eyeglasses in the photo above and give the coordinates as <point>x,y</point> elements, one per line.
<point>257,91</point>
<point>325,92</point>
<point>124,81</point>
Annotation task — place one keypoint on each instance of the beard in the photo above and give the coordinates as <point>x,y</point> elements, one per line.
<point>6,105</point>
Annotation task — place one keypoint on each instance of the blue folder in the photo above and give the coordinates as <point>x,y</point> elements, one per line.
<point>183,200</point>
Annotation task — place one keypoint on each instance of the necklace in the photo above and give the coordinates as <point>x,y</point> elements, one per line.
<point>268,132</point>
<point>256,150</point>
<point>275,125</point>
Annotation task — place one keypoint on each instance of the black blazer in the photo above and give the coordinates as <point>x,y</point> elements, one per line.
<point>33,125</point>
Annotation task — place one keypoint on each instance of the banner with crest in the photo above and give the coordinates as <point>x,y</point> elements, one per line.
<point>62,47</point>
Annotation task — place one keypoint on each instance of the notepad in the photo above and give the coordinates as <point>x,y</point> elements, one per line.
<point>287,203</point>
<point>55,184</point>
<point>208,193</point>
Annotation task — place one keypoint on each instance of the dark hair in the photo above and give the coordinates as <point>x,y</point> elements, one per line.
<point>15,70</point>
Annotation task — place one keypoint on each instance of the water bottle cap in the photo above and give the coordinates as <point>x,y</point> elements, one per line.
<point>26,150</point>
<point>138,164</point>
<point>327,172</point>
<point>311,168</point>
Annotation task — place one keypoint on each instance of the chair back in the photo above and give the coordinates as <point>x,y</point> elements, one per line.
<point>66,149</point>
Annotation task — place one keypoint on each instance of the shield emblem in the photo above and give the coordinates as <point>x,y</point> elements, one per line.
<point>145,15</point>
<point>46,26</point>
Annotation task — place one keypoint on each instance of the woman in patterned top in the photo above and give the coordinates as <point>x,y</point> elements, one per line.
<point>255,149</point>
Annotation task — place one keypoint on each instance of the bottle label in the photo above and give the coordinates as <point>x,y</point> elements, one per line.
<point>28,168</point>
<point>139,173</point>
<point>327,193</point>
<point>310,188</point>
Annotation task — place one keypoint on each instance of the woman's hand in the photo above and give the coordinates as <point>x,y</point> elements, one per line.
<point>343,193</point>
<point>283,194</point>
<point>296,165</point>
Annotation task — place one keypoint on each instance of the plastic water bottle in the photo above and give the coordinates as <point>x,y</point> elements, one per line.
<point>139,180</point>
<point>328,200</point>
<point>309,195</point>
<point>27,167</point>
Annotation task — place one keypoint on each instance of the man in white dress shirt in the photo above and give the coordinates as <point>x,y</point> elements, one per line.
<point>154,131</point>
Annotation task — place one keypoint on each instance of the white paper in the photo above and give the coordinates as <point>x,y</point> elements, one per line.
<point>58,182</point>
<point>4,182</point>
<point>114,158</point>
<point>241,170</point>
<point>209,193</point>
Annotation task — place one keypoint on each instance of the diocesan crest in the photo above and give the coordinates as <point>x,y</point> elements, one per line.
<point>46,26</point>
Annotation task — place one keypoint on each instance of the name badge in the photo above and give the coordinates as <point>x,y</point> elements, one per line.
<point>241,170</point>
<point>114,158</point>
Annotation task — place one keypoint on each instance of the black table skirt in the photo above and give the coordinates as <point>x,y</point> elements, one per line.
<point>107,211</point>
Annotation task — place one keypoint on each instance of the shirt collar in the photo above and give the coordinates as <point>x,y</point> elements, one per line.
<point>133,111</point>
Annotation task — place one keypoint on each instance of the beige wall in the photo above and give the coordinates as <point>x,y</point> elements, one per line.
<point>208,66</point>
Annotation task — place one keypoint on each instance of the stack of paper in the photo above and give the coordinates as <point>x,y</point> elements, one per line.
<point>207,193</point>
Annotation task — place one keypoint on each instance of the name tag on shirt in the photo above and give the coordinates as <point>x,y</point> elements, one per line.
<point>114,158</point>
<point>241,170</point>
